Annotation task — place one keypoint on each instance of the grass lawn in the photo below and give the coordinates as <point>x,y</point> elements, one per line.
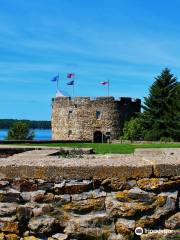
<point>112,148</point>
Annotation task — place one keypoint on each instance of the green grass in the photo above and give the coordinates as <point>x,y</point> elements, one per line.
<point>112,148</point>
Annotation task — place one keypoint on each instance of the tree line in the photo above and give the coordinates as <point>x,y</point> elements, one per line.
<point>8,123</point>
<point>160,119</point>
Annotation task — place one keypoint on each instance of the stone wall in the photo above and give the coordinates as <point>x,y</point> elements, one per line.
<point>109,208</point>
<point>46,195</point>
<point>76,119</point>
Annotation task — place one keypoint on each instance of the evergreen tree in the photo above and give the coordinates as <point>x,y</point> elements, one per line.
<point>20,131</point>
<point>162,108</point>
<point>133,129</point>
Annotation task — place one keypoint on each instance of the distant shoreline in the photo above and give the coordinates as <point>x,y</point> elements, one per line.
<point>33,124</point>
<point>40,134</point>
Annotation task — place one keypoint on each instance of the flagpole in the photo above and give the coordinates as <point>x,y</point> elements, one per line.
<point>58,83</point>
<point>73,87</point>
<point>108,88</point>
<point>72,82</point>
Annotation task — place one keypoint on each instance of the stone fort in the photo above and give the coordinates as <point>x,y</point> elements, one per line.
<point>97,120</point>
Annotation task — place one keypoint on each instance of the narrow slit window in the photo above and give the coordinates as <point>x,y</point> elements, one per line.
<point>70,114</point>
<point>69,133</point>
<point>98,114</point>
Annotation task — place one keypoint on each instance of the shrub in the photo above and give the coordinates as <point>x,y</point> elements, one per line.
<point>20,131</point>
<point>166,139</point>
<point>133,129</point>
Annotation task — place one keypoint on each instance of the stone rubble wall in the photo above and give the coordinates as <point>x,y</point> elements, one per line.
<point>90,209</point>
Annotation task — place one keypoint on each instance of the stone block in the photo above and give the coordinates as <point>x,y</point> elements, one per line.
<point>161,184</point>
<point>31,238</point>
<point>10,195</point>
<point>60,236</point>
<point>61,199</point>
<point>115,184</point>
<point>87,195</point>
<point>135,194</point>
<point>169,205</point>
<point>12,236</point>
<point>167,166</point>
<point>2,236</point>
<point>23,185</point>
<point>121,205</point>
<point>3,184</point>
<point>150,183</point>
<point>86,206</point>
<point>147,222</point>
<point>125,226</point>
<point>59,187</point>
<point>7,209</point>
<point>23,213</point>
<point>173,222</point>
<point>9,226</point>
<point>114,236</point>
<point>164,205</point>
<point>42,225</point>
<point>75,187</point>
<point>45,185</point>
<point>42,209</point>
<point>38,196</point>
<point>77,231</point>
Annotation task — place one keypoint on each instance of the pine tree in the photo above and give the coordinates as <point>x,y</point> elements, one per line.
<point>20,131</point>
<point>162,108</point>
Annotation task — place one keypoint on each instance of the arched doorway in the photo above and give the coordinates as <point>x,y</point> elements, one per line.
<point>98,137</point>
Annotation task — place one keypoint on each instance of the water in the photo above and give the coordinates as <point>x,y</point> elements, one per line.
<point>40,134</point>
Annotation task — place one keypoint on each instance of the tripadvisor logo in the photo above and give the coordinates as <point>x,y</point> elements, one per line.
<point>139,231</point>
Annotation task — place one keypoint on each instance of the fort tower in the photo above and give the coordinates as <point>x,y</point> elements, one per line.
<point>98,120</point>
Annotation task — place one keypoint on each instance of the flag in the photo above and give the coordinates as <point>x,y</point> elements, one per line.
<point>70,75</point>
<point>104,83</point>
<point>55,79</point>
<point>71,82</point>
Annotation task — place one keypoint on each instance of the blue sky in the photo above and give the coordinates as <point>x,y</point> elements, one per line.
<point>126,41</point>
